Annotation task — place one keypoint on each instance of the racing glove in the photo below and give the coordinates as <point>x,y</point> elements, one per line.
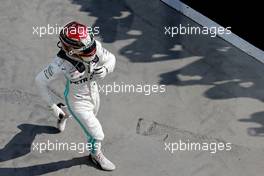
<point>57,112</point>
<point>100,72</point>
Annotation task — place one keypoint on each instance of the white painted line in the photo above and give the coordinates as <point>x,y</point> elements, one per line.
<point>204,21</point>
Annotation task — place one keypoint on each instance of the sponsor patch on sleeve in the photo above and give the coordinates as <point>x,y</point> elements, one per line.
<point>49,72</point>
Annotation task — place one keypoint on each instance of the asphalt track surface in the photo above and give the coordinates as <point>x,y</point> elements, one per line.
<point>214,93</point>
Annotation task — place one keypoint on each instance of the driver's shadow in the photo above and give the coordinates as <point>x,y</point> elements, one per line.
<point>20,145</point>
<point>45,168</point>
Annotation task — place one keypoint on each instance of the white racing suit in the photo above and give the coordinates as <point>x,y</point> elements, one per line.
<point>81,91</point>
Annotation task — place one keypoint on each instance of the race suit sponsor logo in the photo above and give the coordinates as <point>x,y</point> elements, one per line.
<point>79,81</point>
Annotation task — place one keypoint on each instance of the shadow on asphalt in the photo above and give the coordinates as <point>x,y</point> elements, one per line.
<point>116,20</point>
<point>228,72</point>
<point>256,118</point>
<point>45,168</point>
<point>20,145</point>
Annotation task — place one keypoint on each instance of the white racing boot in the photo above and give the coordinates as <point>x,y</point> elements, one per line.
<point>102,161</point>
<point>98,158</point>
<point>61,123</point>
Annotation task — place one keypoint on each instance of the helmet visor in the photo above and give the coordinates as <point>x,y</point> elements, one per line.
<point>88,52</point>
